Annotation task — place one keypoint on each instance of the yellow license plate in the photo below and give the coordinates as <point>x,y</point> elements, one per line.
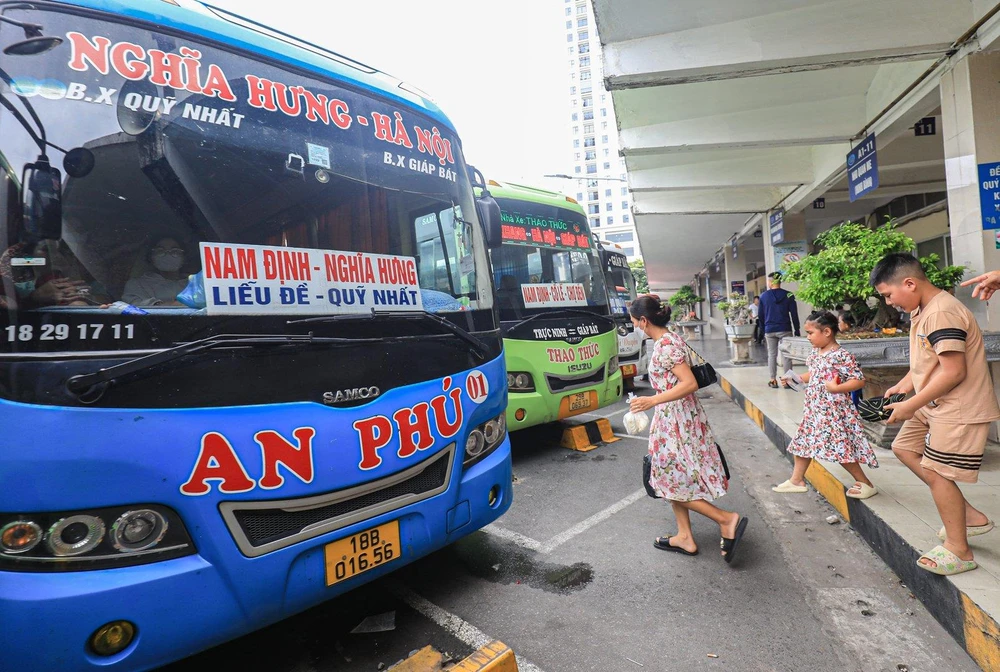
<point>628,370</point>
<point>578,401</point>
<point>361,552</point>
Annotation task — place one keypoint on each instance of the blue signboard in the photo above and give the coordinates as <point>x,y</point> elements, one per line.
<point>862,169</point>
<point>989,194</point>
<point>777,226</point>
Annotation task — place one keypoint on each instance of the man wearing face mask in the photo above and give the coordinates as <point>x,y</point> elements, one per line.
<point>159,287</point>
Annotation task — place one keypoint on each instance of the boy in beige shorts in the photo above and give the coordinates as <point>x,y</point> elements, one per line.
<point>945,424</point>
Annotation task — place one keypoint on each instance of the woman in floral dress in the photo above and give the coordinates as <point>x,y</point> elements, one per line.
<point>831,427</point>
<point>686,468</point>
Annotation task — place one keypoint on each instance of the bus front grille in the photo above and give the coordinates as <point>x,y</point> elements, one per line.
<point>563,383</point>
<point>263,527</point>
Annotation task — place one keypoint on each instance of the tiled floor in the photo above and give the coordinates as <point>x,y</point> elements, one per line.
<point>904,501</point>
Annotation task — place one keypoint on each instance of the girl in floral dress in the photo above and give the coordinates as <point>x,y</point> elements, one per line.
<point>686,468</point>
<point>831,427</point>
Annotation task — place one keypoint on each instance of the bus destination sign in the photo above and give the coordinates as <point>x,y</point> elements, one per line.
<point>543,231</point>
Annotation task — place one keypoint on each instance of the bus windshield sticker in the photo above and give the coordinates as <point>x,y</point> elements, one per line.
<point>555,294</point>
<point>319,155</point>
<point>259,279</point>
<point>521,229</point>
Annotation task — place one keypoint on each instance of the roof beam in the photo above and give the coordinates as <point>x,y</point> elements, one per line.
<point>745,200</point>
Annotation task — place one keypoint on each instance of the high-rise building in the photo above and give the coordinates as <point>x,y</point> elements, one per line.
<point>601,186</point>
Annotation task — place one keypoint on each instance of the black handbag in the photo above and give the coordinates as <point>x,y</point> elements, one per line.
<point>647,468</point>
<point>704,373</point>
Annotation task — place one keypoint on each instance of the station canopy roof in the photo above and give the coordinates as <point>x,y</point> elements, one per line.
<point>730,108</point>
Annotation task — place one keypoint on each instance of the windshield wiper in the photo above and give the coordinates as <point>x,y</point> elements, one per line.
<point>89,387</point>
<point>561,311</point>
<point>481,349</point>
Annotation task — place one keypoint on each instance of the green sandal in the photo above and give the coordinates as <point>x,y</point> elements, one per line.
<point>947,563</point>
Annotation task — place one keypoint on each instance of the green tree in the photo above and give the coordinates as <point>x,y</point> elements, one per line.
<point>639,273</point>
<point>837,273</point>
<point>685,300</point>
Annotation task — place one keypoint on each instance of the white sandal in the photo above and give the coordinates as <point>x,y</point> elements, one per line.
<point>789,487</point>
<point>864,491</point>
<point>971,530</point>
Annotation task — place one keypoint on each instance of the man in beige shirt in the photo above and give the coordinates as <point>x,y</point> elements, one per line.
<point>946,422</point>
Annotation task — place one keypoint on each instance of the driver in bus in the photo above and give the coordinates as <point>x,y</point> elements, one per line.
<point>57,282</point>
<point>160,285</point>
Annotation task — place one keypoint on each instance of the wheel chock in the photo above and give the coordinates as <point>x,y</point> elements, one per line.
<point>493,657</point>
<point>588,435</point>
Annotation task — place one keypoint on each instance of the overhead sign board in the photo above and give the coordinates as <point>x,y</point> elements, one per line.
<point>926,126</point>
<point>819,204</point>
<point>862,169</point>
<point>776,224</point>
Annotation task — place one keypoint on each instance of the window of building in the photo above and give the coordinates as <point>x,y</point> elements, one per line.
<point>569,37</point>
<point>579,196</point>
<point>591,155</point>
<point>576,143</point>
<point>625,219</point>
<point>604,97</point>
<point>584,75</point>
<point>604,139</point>
<point>581,22</point>
<point>569,25</point>
<point>604,111</point>
<point>571,49</point>
<point>624,205</point>
<point>628,251</point>
<point>611,220</point>
<point>576,157</point>
<point>625,237</point>
<point>604,125</point>
<point>576,129</point>
<point>569,11</point>
<point>583,48</point>
<point>904,205</point>
<point>607,152</point>
<point>581,9</point>
<point>572,90</point>
<point>588,115</point>
<point>940,246</point>
<point>607,193</point>
<point>594,208</point>
<point>592,196</point>
<point>609,207</point>
<point>585,61</point>
<point>588,142</point>
<point>607,165</point>
<point>585,89</point>
<point>572,62</point>
<point>624,191</point>
<point>591,168</point>
<point>595,222</point>
<point>577,169</point>
<point>588,129</point>
<point>583,35</point>
<point>588,102</point>
<point>573,102</point>
<point>576,116</point>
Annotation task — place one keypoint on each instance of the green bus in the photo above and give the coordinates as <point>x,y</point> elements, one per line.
<point>560,341</point>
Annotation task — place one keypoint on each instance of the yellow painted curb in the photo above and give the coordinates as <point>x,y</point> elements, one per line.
<point>755,413</point>
<point>494,657</point>
<point>726,387</point>
<point>982,635</point>
<point>828,486</point>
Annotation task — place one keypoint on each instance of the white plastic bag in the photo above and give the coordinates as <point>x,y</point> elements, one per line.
<point>635,423</point>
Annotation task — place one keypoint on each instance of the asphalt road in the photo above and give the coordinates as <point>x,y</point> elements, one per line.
<point>570,580</point>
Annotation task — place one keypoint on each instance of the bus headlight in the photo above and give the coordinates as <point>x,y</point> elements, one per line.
<point>93,539</point>
<point>520,381</point>
<point>484,439</point>
<point>613,365</point>
<point>622,330</point>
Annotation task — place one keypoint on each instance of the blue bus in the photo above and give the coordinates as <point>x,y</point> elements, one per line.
<point>249,352</point>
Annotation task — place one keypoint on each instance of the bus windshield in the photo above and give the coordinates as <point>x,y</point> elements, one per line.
<point>205,186</point>
<point>621,284</point>
<point>547,261</point>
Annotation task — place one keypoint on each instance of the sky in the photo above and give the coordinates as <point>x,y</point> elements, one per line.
<point>498,70</point>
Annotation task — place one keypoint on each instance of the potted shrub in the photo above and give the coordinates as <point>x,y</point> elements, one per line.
<point>684,302</point>
<point>836,275</point>
<point>739,319</point>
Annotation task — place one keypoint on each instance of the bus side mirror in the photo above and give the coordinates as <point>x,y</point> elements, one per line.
<point>43,201</point>
<point>489,216</point>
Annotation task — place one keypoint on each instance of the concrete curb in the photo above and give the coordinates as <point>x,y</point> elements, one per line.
<point>588,435</point>
<point>973,628</point>
<point>493,657</point>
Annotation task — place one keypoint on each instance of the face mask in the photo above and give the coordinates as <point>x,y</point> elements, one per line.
<point>165,262</point>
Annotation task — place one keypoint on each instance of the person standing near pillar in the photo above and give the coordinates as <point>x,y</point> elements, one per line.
<point>779,317</point>
<point>758,335</point>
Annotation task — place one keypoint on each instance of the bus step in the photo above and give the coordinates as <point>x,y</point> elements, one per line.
<point>588,435</point>
<point>493,657</point>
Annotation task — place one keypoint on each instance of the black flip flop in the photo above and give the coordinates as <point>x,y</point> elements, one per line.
<point>773,384</point>
<point>730,545</point>
<point>665,546</point>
